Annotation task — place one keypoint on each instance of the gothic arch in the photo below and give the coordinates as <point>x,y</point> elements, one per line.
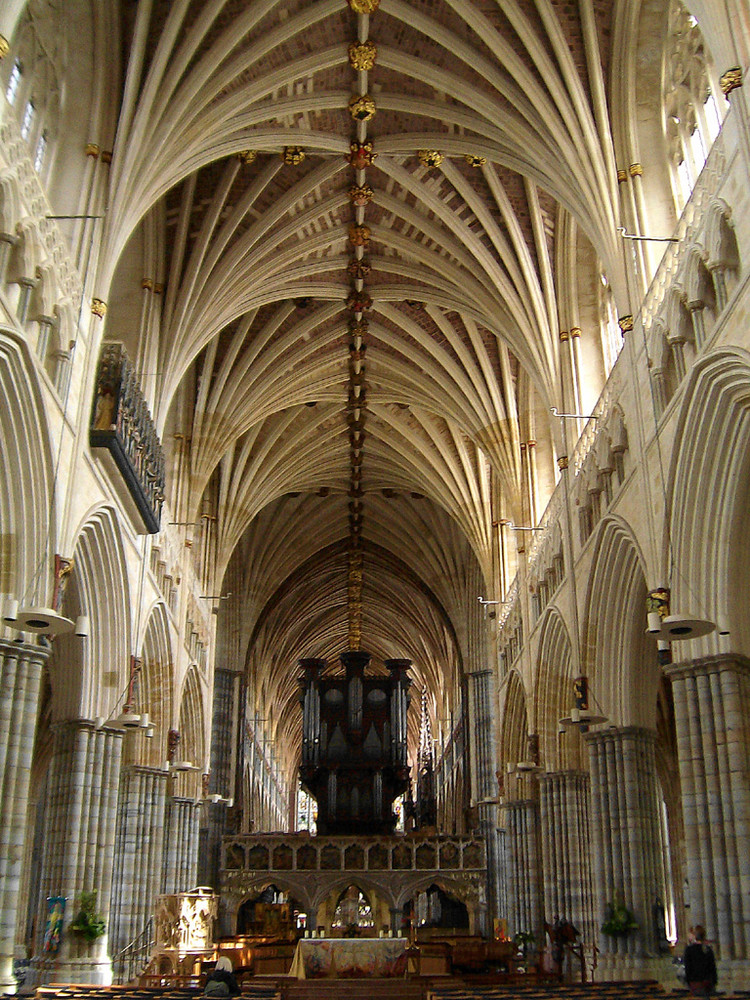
<point>707,492</point>
<point>616,654</point>
<point>554,693</point>
<point>98,588</point>
<point>27,524</point>
<point>192,732</point>
<point>155,688</point>
<point>514,727</point>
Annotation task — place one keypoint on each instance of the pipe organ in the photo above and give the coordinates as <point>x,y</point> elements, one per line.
<point>354,737</point>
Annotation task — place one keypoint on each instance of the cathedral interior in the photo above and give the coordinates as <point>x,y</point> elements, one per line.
<point>375,448</point>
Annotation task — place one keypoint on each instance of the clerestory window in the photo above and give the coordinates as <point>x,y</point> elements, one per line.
<point>693,105</point>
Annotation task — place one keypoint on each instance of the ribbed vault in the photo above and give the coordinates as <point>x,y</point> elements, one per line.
<point>357,333</point>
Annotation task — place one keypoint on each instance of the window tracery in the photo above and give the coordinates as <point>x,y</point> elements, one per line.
<point>14,82</point>
<point>33,89</point>
<point>693,106</point>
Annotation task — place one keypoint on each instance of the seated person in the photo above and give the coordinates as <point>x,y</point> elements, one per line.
<point>222,982</point>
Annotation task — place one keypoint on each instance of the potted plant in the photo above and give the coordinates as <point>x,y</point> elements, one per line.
<point>87,923</point>
<point>620,921</point>
<point>524,941</point>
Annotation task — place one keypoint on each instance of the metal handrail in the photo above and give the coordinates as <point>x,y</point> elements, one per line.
<point>134,957</point>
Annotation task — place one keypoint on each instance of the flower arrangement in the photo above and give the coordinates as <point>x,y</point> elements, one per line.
<point>87,923</point>
<point>620,921</point>
<point>523,940</point>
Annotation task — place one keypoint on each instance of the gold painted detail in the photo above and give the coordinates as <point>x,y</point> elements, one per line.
<point>564,336</point>
<point>730,80</point>
<point>658,601</point>
<point>359,269</point>
<point>293,155</point>
<point>430,157</point>
<point>475,161</point>
<point>147,284</point>
<point>359,236</point>
<point>636,170</point>
<point>247,155</point>
<point>92,149</point>
<point>562,463</point>
<point>625,323</point>
<point>107,156</point>
<point>360,155</point>
<point>360,195</point>
<point>364,6</point>
<point>158,289</point>
<point>358,328</point>
<point>622,176</point>
<point>99,308</point>
<point>362,55</point>
<point>362,109</point>
<point>359,302</point>
<point>575,332</point>
<point>4,46</point>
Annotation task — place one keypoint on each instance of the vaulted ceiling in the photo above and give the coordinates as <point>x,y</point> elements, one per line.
<point>360,215</point>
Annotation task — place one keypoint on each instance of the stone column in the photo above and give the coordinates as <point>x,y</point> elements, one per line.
<point>181,845</point>
<point>136,881</point>
<point>486,784</point>
<point>566,850</point>
<point>523,881</point>
<point>628,855</point>
<point>20,678</point>
<point>79,844</point>
<point>502,862</point>
<point>712,703</point>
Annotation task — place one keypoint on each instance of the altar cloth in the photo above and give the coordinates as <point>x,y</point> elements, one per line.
<point>316,958</point>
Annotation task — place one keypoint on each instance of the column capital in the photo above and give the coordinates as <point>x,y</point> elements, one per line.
<point>11,649</point>
<point>158,772</point>
<point>569,775</point>
<point>618,733</point>
<point>516,805</point>
<point>703,665</point>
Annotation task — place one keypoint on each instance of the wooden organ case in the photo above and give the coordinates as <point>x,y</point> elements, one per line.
<point>354,743</point>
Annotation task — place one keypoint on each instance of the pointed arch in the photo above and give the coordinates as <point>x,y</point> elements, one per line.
<point>707,497</point>
<point>156,684</point>
<point>27,517</point>
<point>554,694</point>
<point>617,655</point>
<point>514,727</point>
<point>90,677</point>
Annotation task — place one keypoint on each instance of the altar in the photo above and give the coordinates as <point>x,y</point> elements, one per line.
<point>333,958</point>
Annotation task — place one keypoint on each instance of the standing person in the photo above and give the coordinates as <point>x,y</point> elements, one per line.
<point>700,965</point>
<point>222,982</point>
